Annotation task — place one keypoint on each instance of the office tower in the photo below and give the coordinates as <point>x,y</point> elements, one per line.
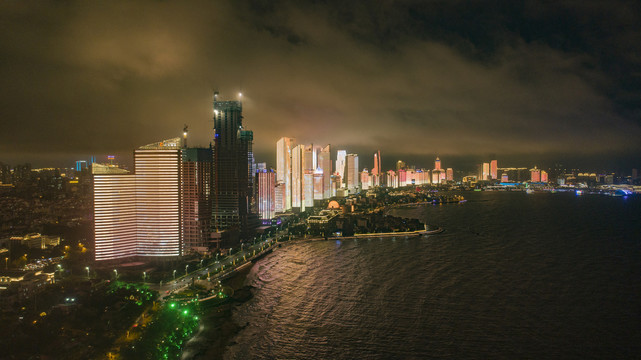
<point>114,213</point>
<point>365,179</point>
<point>340,166</point>
<point>308,175</point>
<point>400,165</point>
<point>196,197</point>
<point>158,191</point>
<point>378,169</point>
<point>261,166</point>
<point>544,176</point>
<point>232,176</point>
<point>279,200</point>
<point>319,184</point>
<point>493,169</point>
<point>479,172</point>
<point>486,171</point>
<point>505,178</point>
<point>284,148</point>
<point>297,176</point>
<point>535,175</point>
<point>325,164</point>
<point>449,174</point>
<point>266,194</point>
<point>392,179</point>
<point>335,181</point>
<point>437,164</point>
<point>352,172</point>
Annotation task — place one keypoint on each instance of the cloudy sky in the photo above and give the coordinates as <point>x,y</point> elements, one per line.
<point>514,80</point>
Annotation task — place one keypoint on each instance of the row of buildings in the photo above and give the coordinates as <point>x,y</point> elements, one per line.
<point>178,199</point>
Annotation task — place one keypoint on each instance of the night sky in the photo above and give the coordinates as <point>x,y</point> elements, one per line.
<point>520,81</point>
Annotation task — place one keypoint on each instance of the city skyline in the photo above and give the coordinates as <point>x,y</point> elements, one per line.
<point>378,80</point>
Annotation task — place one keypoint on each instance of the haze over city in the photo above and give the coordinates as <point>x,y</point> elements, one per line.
<point>527,83</point>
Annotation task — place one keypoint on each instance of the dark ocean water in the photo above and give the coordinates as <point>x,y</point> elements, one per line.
<point>513,276</point>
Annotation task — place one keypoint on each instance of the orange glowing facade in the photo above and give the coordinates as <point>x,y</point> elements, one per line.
<point>494,169</point>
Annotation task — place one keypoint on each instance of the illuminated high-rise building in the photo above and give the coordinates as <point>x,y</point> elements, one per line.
<point>437,164</point>
<point>486,171</point>
<point>505,178</point>
<point>196,198</point>
<point>352,172</point>
<point>284,148</point>
<point>493,169</point>
<point>279,202</point>
<point>449,174</point>
<point>266,194</point>
<point>309,164</point>
<point>325,164</point>
<point>158,198</point>
<point>319,184</point>
<point>544,176</point>
<point>232,175</point>
<point>535,175</point>
<point>341,155</point>
<point>365,179</point>
<point>400,165</point>
<point>114,213</point>
<point>297,176</point>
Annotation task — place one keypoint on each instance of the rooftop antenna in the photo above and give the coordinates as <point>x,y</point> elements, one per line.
<point>185,131</point>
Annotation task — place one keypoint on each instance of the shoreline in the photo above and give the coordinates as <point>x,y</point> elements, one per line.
<point>217,325</point>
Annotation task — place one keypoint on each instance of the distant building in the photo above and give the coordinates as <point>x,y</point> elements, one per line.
<point>544,176</point>
<point>486,171</point>
<point>266,194</point>
<point>325,164</point>
<point>449,174</point>
<point>352,172</point>
<point>493,169</point>
<point>535,175</point>
<point>284,148</point>
<point>341,157</point>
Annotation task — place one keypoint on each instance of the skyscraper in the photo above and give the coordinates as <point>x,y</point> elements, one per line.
<point>352,172</point>
<point>114,213</point>
<point>232,176</point>
<point>309,163</point>
<point>493,169</point>
<point>325,164</point>
<point>340,166</point>
<point>266,194</point>
<point>535,175</point>
<point>284,148</point>
<point>437,164</point>
<point>486,171</point>
<point>297,177</point>
<point>158,198</point>
<point>196,197</point>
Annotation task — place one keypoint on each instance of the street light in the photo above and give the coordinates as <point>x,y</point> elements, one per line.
<point>174,274</point>
<point>116,272</point>
<point>144,276</point>
<point>87,268</point>
<point>186,267</point>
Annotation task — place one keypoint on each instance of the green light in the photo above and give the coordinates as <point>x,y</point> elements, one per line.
<point>172,305</point>
<point>185,312</point>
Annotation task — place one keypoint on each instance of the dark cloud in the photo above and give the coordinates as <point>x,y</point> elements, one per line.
<point>412,78</point>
